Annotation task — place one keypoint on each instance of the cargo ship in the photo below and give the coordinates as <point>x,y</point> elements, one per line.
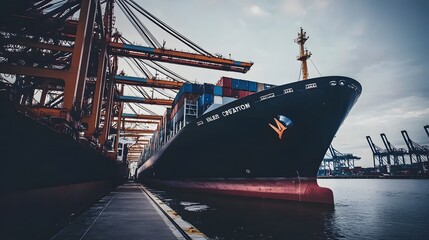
<point>42,152</point>
<point>246,138</point>
<point>47,176</point>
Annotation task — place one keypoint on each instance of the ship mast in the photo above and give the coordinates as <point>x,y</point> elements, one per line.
<point>304,54</point>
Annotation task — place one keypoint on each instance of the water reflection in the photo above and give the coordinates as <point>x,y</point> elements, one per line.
<point>225,217</point>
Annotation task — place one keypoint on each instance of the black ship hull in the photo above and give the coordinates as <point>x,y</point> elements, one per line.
<point>45,175</point>
<point>250,138</point>
<point>36,155</point>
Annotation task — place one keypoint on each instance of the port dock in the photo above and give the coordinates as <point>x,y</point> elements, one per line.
<point>129,212</point>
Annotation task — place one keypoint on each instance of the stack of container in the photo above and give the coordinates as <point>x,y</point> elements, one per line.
<point>225,91</point>
<point>239,88</point>
<point>211,95</point>
<point>189,91</point>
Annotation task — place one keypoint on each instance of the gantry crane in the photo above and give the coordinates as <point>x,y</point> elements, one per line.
<point>417,152</point>
<point>396,153</point>
<point>336,161</point>
<point>380,156</point>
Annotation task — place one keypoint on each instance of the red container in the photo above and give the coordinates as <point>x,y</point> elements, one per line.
<point>174,111</point>
<point>226,92</point>
<point>225,82</point>
<point>235,93</point>
<point>242,94</point>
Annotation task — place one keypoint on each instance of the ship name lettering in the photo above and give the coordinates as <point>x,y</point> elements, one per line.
<point>212,118</point>
<point>270,95</point>
<point>236,109</point>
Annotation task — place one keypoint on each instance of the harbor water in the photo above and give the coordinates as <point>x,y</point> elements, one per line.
<point>364,209</point>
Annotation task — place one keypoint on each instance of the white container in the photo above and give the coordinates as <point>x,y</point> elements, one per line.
<point>217,100</point>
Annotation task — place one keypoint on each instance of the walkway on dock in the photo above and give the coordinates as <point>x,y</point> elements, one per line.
<point>126,213</point>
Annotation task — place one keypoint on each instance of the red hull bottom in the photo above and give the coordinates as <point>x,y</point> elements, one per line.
<point>301,190</point>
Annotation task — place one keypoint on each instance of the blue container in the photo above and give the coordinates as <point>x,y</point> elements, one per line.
<point>243,85</point>
<point>217,91</point>
<point>197,88</point>
<point>208,88</point>
<point>187,87</point>
<point>239,84</point>
<point>200,100</point>
<point>253,87</point>
<point>205,99</point>
<point>235,84</point>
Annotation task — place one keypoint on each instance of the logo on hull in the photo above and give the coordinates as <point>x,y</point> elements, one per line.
<point>282,123</point>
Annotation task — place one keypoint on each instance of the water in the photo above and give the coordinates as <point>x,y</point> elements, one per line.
<point>364,209</point>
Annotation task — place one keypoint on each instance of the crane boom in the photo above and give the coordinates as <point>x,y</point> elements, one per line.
<point>147,82</point>
<point>178,57</point>
<point>133,99</point>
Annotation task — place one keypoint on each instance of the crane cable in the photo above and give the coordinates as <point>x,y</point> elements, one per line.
<point>138,25</point>
<point>167,72</point>
<point>168,29</point>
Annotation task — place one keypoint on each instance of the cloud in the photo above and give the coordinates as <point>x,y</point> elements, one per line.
<point>294,8</point>
<point>360,28</point>
<point>321,3</point>
<point>255,10</point>
<point>242,23</point>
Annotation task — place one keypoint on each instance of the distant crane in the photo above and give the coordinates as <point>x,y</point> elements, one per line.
<point>417,152</point>
<point>397,153</point>
<point>337,161</point>
<point>379,154</point>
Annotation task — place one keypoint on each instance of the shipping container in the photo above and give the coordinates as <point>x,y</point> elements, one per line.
<point>260,87</point>
<point>253,87</point>
<point>225,82</point>
<point>217,100</point>
<point>205,99</point>
<point>208,88</point>
<point>243,85</point>
<point>227,92</point>
<point>242,94</point>
<point>235,93</point>
<point>217,91</point>
<point>195,89</point>
<point>179,114</point>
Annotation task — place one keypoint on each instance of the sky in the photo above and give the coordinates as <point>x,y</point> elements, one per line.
<point>381,43</point>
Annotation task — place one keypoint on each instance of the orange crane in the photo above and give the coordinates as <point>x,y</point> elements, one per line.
<point>145,82</point>
<point>153,101</point>
<point>178,57</point>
